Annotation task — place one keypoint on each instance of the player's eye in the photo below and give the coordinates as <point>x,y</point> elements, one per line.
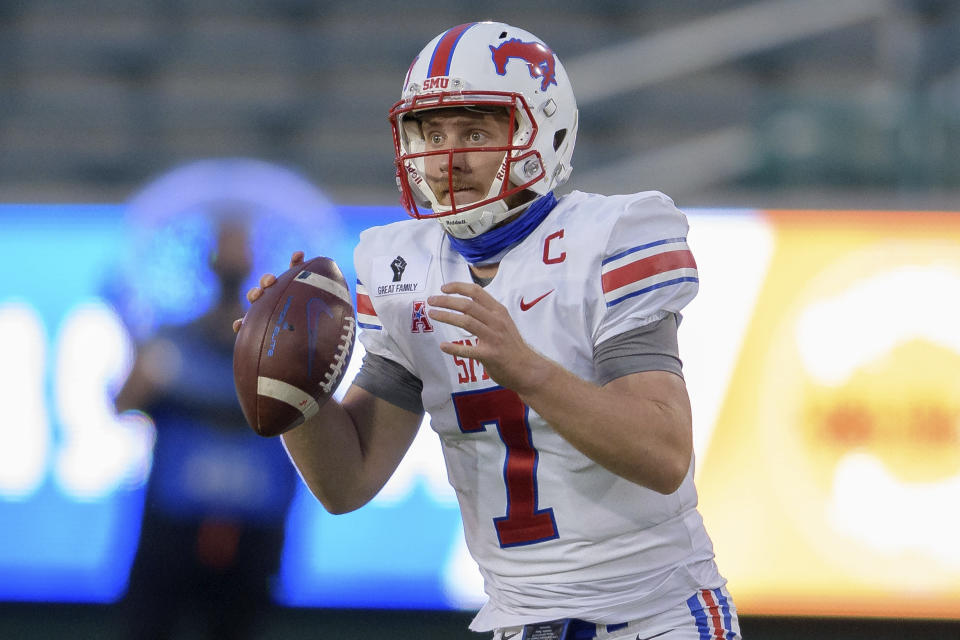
<point>476,137</point>
<point>436,139</point>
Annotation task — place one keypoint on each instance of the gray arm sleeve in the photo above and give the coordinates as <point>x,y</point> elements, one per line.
<point>390,381</point>
<point>652,347</point>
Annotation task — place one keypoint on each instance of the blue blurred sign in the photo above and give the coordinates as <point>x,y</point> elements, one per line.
<point>72,470</point>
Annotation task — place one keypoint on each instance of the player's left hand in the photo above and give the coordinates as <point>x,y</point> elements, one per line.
<point>504,354</point>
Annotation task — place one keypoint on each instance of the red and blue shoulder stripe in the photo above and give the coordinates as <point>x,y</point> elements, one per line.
<point>366,315</point>
<point>646,267</point>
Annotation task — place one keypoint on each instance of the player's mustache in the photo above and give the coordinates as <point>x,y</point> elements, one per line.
<point>442,186</point>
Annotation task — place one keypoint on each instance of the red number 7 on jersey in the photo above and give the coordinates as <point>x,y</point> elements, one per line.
<point>523,523</point>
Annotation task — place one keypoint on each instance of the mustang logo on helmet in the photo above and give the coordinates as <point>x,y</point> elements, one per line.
<point>539,59</point>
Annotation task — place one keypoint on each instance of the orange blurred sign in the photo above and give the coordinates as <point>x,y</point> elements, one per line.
<point>830,480</point>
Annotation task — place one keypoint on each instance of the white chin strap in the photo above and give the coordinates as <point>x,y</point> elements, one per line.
<point>486,218</point>
<point>470,224</point>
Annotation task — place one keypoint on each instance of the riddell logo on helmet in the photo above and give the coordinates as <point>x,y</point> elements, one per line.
<point>440,83</point>
<point>502,172</point>
<point>413,173</point>
<point>540,60</point>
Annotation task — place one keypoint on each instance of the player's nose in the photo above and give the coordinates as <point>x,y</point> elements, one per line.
<point>455,162</point>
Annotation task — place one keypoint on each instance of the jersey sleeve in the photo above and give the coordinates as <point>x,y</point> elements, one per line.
<point>647,270</point>
<point>374,335</point>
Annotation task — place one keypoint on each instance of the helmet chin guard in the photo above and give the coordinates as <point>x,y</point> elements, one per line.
<point>486,66</point>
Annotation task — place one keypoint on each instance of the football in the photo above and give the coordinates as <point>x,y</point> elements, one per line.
<point>294,346</point>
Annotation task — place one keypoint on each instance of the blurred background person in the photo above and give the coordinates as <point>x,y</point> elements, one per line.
<point>218,495</point>
<point>213,524</point>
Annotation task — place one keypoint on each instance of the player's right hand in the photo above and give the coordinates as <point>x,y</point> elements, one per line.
<point>266,280</point>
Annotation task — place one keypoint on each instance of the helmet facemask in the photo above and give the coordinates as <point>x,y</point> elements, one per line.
<point>521,165</point>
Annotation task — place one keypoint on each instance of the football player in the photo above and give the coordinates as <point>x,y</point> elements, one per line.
<point>540,334</point>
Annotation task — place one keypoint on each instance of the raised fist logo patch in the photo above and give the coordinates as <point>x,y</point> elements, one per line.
<point>398,265</point>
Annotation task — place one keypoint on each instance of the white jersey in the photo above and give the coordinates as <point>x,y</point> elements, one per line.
<point>555,534</point>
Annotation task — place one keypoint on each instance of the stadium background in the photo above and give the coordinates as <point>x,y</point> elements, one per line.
<point>733,108</point>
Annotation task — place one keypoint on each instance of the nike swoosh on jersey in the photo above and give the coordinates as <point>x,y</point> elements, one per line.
<point>526,305</point>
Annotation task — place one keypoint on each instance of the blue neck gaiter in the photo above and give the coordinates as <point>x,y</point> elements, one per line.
<point>487,245</point>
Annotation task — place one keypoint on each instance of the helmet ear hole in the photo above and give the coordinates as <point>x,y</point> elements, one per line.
<point>558,138</point>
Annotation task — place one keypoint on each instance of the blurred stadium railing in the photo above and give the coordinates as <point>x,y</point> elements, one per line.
<point>753,103</point>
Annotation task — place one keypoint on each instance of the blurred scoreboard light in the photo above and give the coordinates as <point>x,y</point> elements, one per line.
<point>822,357</point>
<point>832,479</point>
